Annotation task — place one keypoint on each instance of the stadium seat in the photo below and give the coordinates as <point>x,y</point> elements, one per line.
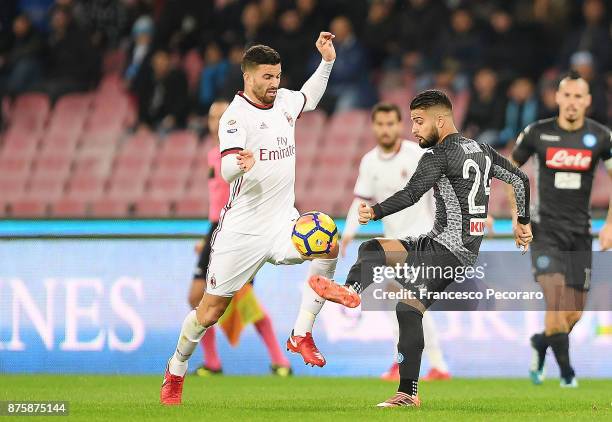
<point>45,188</point>
<point>132,167</point>
<point>14,167</point>
<point>12,189</point>
<point>191,207</point>
<point>167,188</point>
<point>173,166</point>
<point>30,111</point>
<point>52,167</point>
<point>69,207</point>
<point>92,166</point>
<point>140,144</point>
<point>85,188</point>
<point>180,143</point>
<point>110,207</point>
<point>28,208</point>
<point>126,189</point>
<point>55,143</point>
<point>20,142</point>
<point>152,207</point>
<point>602,188</point>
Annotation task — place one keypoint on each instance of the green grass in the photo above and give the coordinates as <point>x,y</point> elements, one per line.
<point>134,398</point>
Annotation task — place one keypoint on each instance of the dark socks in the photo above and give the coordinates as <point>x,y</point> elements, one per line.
<point>371,254</point>
<point>409,347</point>
<point>560,345</point>
<point>538,341</point>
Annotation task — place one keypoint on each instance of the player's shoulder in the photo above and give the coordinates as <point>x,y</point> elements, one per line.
<point>411,148</point>
<point>369,157</point>
<point>233,110</point>
<point>541,125</point>
<point>284,94</point>
<point>597,128</point>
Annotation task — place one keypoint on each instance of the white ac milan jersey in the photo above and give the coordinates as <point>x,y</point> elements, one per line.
<point>264,195</point>
<point>380,176</point>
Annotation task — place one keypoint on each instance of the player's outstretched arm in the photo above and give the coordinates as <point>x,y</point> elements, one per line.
<point>431,167</point>
<point>504,170</point>
<point>314,88</point>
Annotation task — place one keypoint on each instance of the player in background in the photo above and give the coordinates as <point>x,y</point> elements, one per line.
<point>257,142</point>
<point>383,171</point>
<point>460,171</point>
<point>566,150</point>
<point>218,195</point>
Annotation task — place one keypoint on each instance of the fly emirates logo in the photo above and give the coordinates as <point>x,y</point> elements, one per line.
<point>284,150</point>
<point>568,158</point>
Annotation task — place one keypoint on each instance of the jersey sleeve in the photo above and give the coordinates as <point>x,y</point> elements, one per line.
<point>431,167</point>
<point>295,100</point>
<point>525,146</point>
<point>363,186</point>
<point>504,170</point>
<point>232,135</point>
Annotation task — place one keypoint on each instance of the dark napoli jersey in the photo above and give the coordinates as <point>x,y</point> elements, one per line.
<point>460,171</point>
<point>565,164</point>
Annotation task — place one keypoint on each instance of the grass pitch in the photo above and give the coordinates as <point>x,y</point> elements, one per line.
<point>135,398</point>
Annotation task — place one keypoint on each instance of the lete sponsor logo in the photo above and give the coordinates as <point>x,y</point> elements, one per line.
<point>568,158</point>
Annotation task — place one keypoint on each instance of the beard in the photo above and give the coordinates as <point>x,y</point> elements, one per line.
<point>430,140</point>
<point>265,98</point>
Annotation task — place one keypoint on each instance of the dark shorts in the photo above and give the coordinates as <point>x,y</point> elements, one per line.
<point>565,252</point>
<point>204,259</point>
<point>441,263</point>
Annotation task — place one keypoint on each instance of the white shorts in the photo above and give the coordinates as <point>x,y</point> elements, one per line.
<point>235,257</point>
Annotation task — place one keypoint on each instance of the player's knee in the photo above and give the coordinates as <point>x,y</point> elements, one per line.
<point>556,323</point>
<point>372,250</point>
<point>208,315</point>
<point>573,317</point>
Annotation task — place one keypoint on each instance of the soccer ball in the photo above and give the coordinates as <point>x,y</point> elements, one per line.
<point>314,233</point>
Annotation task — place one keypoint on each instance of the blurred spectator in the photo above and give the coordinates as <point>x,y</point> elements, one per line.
<point>72,64</point>
<point>508,51</point>
<point>349,85</point>
<point>20,67</point>
<point>547,106</point>
<point>521,110</point>
<point>420,24</point>
<point>162,95</point>
<point>180,22</point>
<point>141,47</point>
<point>212,77</point>
<point>291,45</point>
<point>105,20</point>
<point>380,32</point>
<point>37,11</point>
<point>312,17</point>
<point>594,36</point>
<point>252,25</point>
<point>460,43</point>
<point>234,80</point>
<point>486,109</point>
<point>583,63</point>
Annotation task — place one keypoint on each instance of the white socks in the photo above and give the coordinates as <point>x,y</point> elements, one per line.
<point>190,336</point>
<point>432,346</point>
<point>312,302</point>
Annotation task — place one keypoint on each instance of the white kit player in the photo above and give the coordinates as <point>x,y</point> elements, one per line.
<point>383,171</point>
<point>258,150</point>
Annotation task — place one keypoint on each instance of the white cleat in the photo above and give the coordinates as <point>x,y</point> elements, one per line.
<point>572,384</point>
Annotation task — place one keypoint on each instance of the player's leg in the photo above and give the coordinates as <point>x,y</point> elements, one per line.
<point>284,253</point>
<point>433,351</point>
<point>279,363</point>
<point>212,363</point>
<point>372,253</point>
<point>555,322</point>
<point>234,261</point>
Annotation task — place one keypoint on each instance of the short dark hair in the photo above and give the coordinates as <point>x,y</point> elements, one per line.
<point>386,108</point>
<point>259,54</point>
<point>430,98</point>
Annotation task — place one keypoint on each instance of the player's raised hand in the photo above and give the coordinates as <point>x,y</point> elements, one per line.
<point>245,160</point>
<point>326,46</point>
<point>523,236</point>
<point>365,213</point>
<point>605,237</point>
